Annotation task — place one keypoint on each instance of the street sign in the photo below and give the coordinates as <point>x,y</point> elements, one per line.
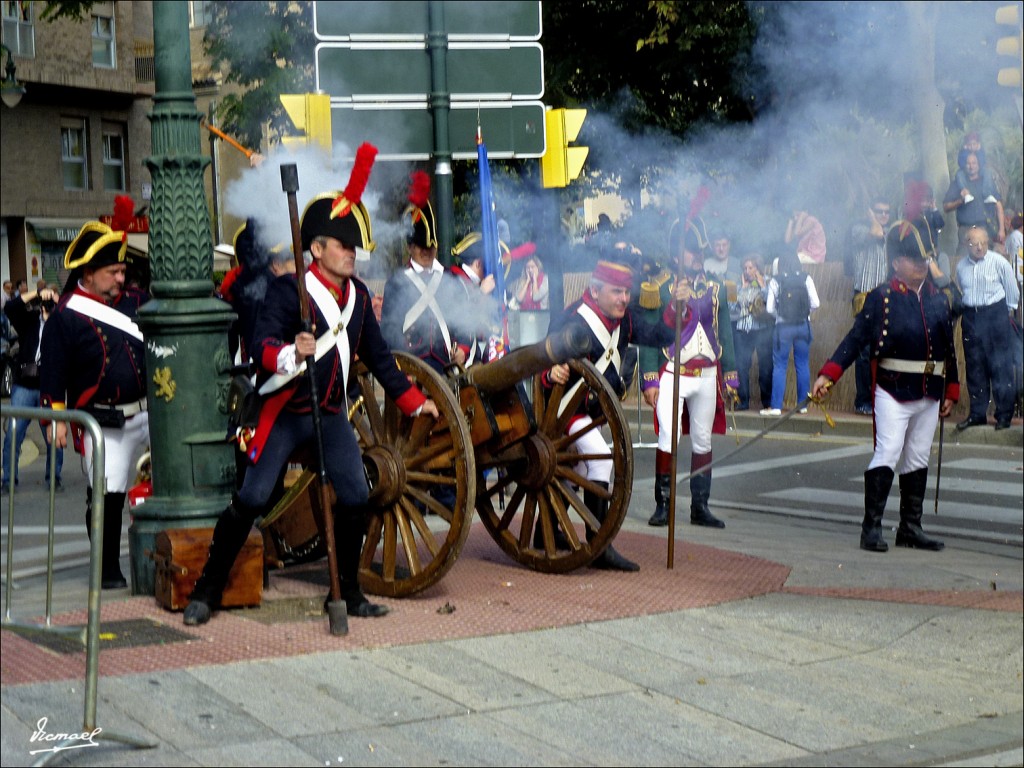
<point>405,131</point>
<point>397,20</point>
<point>401,71</point>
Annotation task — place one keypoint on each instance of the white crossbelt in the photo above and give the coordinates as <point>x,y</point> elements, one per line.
<point>610,343</point>
<point>929,367</point>
<point>427,299</point>
<point>106,314</point>
<point>336,336</point>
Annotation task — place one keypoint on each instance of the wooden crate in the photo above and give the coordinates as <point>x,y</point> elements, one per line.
<point>180,556</point>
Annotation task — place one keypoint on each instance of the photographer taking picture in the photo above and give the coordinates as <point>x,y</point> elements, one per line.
<point>28,312</point>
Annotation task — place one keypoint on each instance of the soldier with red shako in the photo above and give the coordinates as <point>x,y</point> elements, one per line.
<point>604,313</point>
<point>333,225</point>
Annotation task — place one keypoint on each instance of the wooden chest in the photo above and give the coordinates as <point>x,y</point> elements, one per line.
<point>180,556</point>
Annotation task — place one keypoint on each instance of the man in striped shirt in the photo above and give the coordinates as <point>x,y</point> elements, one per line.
<point>990,300</point>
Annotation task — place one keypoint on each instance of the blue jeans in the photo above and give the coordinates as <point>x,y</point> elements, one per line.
<point>746,344</point>
<point>795,336</point>
<point>22,397</point>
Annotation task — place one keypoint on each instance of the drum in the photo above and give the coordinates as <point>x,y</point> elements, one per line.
<point>292,530</point>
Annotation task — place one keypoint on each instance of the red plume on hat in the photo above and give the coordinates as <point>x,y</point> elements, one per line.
<point>916,194</point>
<point>419,190</point>
<point>124,213</point>
<point>360,176</point>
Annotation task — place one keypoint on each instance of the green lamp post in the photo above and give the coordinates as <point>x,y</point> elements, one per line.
<point>185,327</point>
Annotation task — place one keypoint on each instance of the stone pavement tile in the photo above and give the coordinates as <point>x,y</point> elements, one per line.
<point>182,711</point>
<point>525,657</point>
<point>645,728</point>
<point>454,671</point>
<point>470,739</point>
<point>277,695</point>
<point>374,696</point>
<point>256,752</point>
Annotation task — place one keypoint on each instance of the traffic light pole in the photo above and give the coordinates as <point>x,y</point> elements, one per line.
<point>440,104</point>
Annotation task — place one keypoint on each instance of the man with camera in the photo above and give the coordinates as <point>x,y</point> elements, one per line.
<point>27,314</point>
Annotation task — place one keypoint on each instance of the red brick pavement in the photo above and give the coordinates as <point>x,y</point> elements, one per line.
<point>490,595</point>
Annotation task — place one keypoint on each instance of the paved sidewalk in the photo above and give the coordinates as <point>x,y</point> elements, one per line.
<point>771,642</point>
<point>767,643</point>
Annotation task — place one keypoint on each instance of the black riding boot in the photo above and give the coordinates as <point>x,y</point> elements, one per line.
<point>113,509</point>
<point>609,560</point>
<point>349,530</point>
<point>229,537</point>
<point>877,483</point>
<point>700,492</point>
<point>910,534</point>
<point>662,492</point>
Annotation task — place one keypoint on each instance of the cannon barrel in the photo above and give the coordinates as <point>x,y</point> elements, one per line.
<point>525,362</point>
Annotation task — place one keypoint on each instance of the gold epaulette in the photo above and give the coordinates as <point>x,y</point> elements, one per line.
<point>650,290</point>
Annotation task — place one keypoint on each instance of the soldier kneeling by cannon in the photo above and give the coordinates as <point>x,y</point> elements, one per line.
<point>604,314</point>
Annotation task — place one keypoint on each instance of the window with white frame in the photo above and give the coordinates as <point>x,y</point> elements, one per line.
<point>199,13</point>
<point>19,34</point>
<point>103,53</point>
<point>74,153</point>
<point>113,158</point>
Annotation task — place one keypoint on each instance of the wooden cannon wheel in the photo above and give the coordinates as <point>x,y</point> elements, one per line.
<point>543,489</point>
<point>422,484</point>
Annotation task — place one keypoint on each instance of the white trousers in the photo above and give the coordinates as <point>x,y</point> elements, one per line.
<point>903,432</point>
<point>700,393</point>
<point>593,442</point>
<point>122,449</point>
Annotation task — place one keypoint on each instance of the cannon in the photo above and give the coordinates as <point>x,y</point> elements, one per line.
<point>500,447</point>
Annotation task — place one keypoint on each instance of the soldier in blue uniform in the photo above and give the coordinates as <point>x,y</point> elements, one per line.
<point>605,313</point>
<point>332,226</point>
<point>706,351</point>
<point>424,304</point>
<point>93,358</point>
<point>909,326</point>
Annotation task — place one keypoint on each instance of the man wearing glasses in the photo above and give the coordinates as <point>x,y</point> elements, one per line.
<point>990,301</point>
<point>869,269</point>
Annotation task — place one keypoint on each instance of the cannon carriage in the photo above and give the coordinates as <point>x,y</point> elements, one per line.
<point>500,446</point>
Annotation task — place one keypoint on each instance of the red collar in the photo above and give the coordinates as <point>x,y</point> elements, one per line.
<point>339,293</point>
<point>608,322</point>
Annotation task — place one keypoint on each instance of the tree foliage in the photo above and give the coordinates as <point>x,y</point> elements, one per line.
<point>267,49</point>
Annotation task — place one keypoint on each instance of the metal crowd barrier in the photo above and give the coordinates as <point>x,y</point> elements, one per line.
<point>90,635</point>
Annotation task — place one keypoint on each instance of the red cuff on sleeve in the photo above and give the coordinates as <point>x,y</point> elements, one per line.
<point>832,370</point>
<point>410,400</point>
<point>953,391</point>
<point>269,360</point>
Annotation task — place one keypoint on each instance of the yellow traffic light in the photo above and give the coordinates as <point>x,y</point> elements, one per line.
<point>311,114</point>
<point>562,163</point>
<point>1009,15</point>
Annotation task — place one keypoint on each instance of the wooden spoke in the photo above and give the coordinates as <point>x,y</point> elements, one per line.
<point>426,477</point>
<point>544,500</point>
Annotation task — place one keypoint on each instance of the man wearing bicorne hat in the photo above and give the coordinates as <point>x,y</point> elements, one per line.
<point>482,305</point>
<point>93,358</point>
<point>908,324</point>
<point>604,312</point>
<point>705,351</point>
<point>333,225</point>
<point>422,303</point>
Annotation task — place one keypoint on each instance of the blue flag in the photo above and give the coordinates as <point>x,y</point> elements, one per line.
<point>498,344</point>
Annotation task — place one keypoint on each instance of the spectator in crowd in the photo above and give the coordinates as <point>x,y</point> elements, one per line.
<point>28,314</point>
<point>791,300</point>
<point>531,290</point>
<point>920,203</point>
<point>752,333</point>
<point>990,298</point>
<point>869,269</point>
<point>977,203</point>
<point>809,236</point>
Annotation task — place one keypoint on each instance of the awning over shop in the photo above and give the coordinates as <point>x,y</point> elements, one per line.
<point>55,230</point>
